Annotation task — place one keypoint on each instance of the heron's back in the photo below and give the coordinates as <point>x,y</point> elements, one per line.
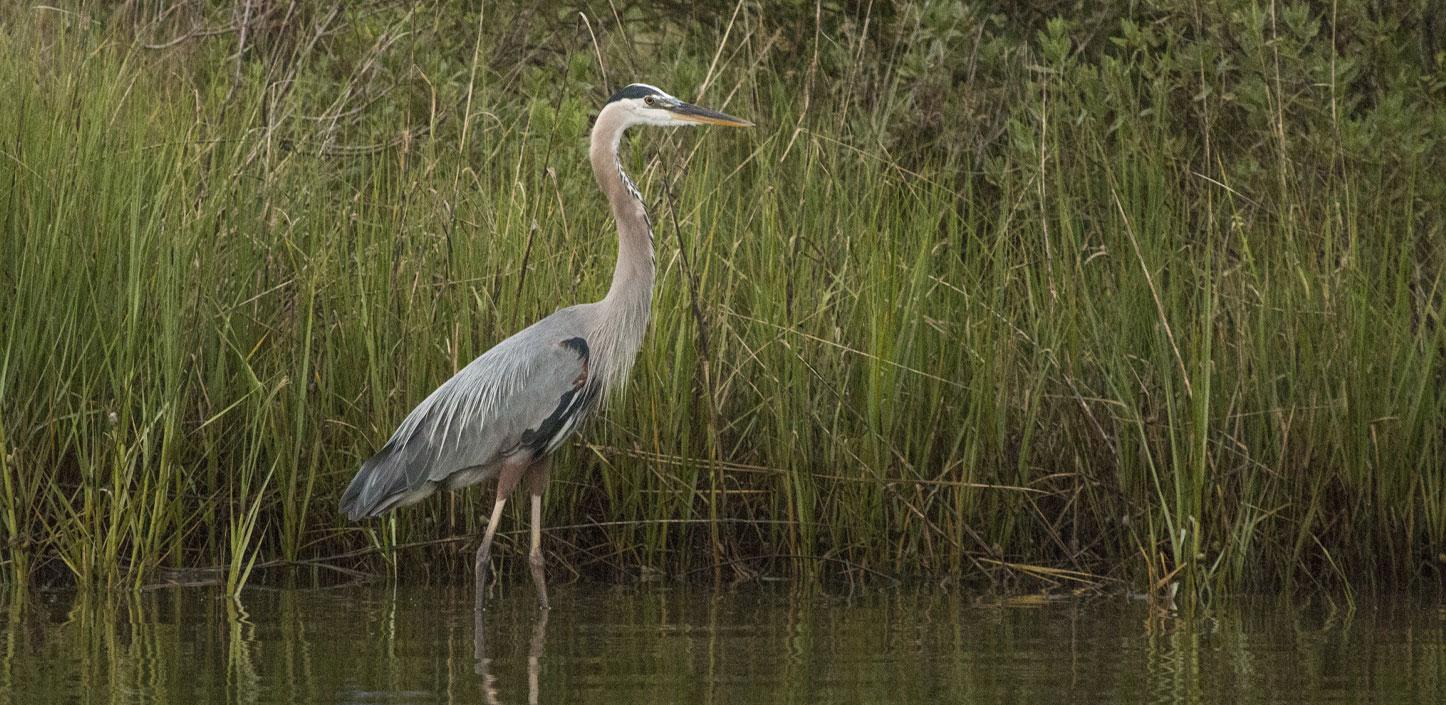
<point>526,394</point>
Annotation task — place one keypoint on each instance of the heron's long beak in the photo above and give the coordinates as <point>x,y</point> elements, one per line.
<point>704,116</point>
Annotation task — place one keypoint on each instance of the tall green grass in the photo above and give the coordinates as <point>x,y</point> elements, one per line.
<point>1101,349</point>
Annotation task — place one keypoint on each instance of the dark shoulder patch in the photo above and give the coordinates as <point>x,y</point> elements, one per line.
<point>635,90</point>
<point>577,345</point>
<point>572,406</point>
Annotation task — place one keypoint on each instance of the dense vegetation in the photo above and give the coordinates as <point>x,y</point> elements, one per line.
<point>1121,297</point>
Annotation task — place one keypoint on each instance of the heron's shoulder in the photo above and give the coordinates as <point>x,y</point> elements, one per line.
<point>519,378</point>
<point>565,331</point>
<point>574,320</point>
<point>562,324</point>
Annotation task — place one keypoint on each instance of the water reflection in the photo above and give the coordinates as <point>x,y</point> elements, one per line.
<point>534,657</point>
<point>410,644</point>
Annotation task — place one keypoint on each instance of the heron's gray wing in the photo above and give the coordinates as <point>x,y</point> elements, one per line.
<point>527,393</point>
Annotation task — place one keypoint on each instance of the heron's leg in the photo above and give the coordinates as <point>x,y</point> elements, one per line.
<point>506,482</point>
<point>537,481</point>
<point>486,548</point>
<point>535,557</point>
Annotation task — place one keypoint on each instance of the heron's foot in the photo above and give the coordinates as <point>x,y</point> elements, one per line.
<point>539,577</point>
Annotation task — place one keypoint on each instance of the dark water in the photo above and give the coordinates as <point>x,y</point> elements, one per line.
<point>416,645</point>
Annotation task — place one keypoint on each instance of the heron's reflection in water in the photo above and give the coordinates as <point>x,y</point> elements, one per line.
<point>534,657</point>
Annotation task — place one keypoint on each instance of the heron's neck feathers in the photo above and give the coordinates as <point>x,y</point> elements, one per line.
<point>624,312</point>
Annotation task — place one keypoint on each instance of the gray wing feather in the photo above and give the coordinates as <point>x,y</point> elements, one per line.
<point>527,392</point>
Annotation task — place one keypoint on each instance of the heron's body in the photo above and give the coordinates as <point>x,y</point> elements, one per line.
<point>505,413</point>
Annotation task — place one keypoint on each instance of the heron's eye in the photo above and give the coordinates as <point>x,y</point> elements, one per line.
<point>648,100</point>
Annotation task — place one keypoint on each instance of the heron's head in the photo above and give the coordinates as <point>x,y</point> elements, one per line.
<point>643,104</point>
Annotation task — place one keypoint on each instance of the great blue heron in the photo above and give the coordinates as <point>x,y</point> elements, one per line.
<point>505,413</point>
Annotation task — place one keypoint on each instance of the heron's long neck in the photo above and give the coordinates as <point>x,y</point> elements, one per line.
<point>624,311</point>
